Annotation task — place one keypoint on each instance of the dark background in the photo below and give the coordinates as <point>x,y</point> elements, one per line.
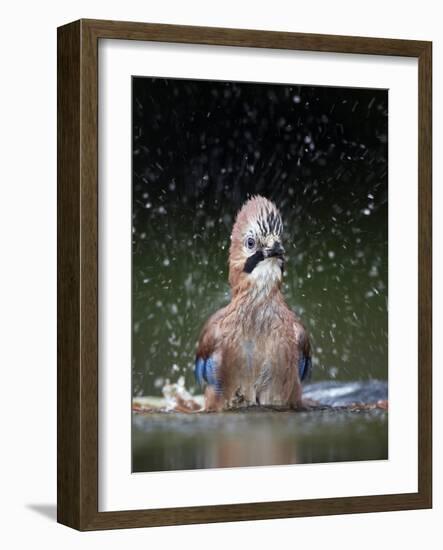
<point>200,149</point>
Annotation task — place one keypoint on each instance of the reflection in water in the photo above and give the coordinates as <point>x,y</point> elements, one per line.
<point>178,441</point>
<point>259,437</point>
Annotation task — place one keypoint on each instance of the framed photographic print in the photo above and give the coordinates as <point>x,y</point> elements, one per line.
<point>244,274</point>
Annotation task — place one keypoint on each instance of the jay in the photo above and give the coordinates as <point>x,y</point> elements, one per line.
<point>254,351</point>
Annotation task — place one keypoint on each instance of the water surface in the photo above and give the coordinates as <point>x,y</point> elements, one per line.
<point>260,437</point>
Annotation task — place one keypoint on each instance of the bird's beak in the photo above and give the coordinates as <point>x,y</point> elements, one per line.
<point>277,251</point>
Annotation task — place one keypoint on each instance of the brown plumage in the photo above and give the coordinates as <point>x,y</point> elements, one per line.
<point>254,351</point>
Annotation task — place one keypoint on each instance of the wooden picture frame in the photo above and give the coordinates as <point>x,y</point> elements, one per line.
<point>77,432</point>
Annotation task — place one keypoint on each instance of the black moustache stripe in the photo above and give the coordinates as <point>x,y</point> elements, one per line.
<point>252,261</point>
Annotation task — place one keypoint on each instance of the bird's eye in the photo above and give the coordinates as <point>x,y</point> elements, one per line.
<point>250,242</point>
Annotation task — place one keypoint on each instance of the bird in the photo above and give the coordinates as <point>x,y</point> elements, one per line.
<point>255,351</point>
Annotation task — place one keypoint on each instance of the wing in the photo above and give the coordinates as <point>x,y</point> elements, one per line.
<point>305,360</point>
<point>207,361</point>
<point>206,371</point>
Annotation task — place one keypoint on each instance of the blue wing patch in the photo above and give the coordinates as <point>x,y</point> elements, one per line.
<point>205,371</point>
<point>199,370</point>
<point>304,367</point>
